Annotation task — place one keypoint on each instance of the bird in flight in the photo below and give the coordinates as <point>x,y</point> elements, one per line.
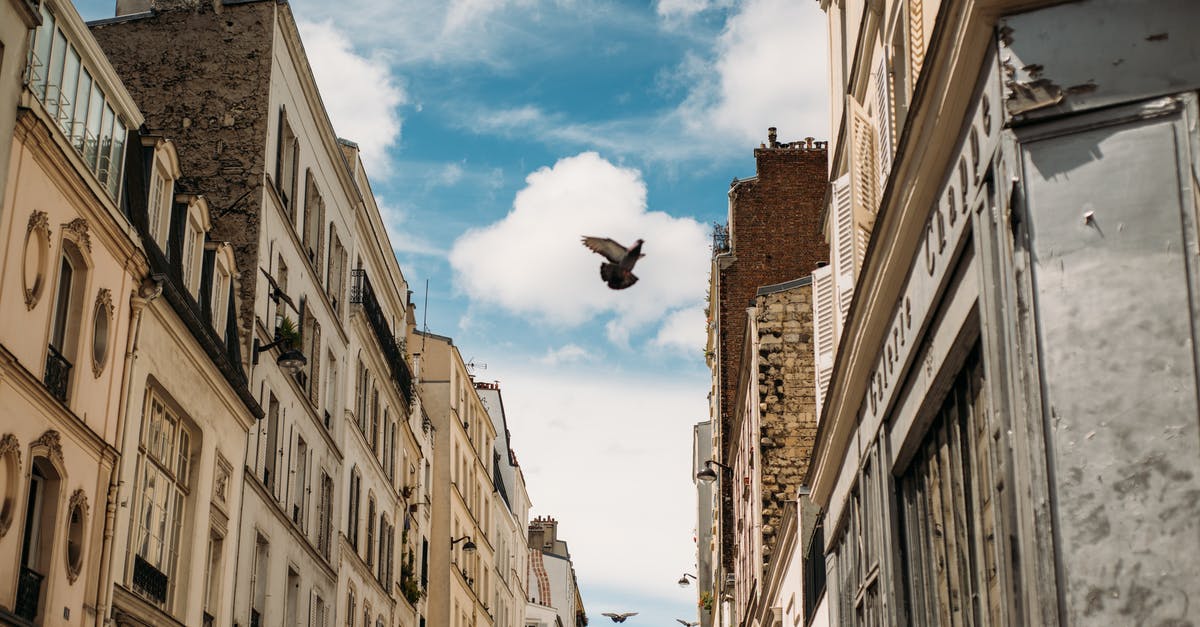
<point>620,618</point>
<point>685,623</point>
<point>618,270</point>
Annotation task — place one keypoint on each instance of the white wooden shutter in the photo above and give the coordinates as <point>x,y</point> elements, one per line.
<point>842,213</point>
<point>864,170</point>
<point>824,329</point>
<point>883,123</point>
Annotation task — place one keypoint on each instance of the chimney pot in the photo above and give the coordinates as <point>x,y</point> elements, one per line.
<point>771,135</point>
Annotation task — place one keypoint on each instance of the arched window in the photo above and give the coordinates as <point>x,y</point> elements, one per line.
<point>37,539</point>
<point>69,304</point>
<point>350,607</point>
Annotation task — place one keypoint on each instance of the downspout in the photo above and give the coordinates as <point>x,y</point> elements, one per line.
<point>137,304</point>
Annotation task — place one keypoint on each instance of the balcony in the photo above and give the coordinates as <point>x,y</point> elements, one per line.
<point>149,581</point>
<point>361,293</point>
<point>29,591</point>
<point>720,238</point>
<point>58,374</point>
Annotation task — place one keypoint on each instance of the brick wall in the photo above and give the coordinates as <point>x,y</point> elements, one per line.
<point>775,236</point>
<point>200,72</point>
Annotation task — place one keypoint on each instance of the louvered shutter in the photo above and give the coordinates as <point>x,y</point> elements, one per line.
<point>863,166</point>
<point>842,213</point>
<point>824,329</point>
<point>916,38</point>
<point>883,123</point>
<point>314,364</point>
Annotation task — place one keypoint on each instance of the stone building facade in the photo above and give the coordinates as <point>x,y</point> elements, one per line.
<point>774,236</point>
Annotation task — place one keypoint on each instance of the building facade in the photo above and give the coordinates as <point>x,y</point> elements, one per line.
<point>552,579</point>
<point>462,556</point>
<point>69,295</point>
<point>1009,433</point>
<point>762,259</point>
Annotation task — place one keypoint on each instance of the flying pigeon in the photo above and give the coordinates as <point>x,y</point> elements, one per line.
<point>617,271</point>
<point>277,293</point>
<point>620,618</point>
<point>685,623</point>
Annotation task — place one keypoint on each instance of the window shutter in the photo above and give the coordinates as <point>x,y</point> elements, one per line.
<point>916,38</point>
<point>842,210</point>
<point>314,364</point>
<point>883,122</point>
<point>824,329</point>
<point>863,166</point>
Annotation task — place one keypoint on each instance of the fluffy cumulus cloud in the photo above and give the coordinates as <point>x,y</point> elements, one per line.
<point>683,331</point>
<point>687,8</point>
<point>362,96</point>
<point>769,69</point>
<point>532,263</point>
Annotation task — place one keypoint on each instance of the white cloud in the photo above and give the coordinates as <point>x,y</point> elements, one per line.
<point>626,444</point>
<point>532,263</point>
<point>565,354</point>
<point>360,93</point>
<point>683,331</point>
<point>401,236</point>
<point>687,8</point>
<point>769,69</point>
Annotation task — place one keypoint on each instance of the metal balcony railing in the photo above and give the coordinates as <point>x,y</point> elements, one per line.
<point>149,581</point>
<point>58,374</point>
<point>720,238</point>
<point>29,592</point>
<point>361,293</point>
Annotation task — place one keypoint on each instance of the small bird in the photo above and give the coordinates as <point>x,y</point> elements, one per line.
<point>618,270</point>
<point>685,623</point>
<point>620,618</point>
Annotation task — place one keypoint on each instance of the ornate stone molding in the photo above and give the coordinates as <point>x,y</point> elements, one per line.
<point>37,233</point>
<point>78,500</point>
<point>79,228</point>
<point>52,441</point>
<point>103,303</point>
<point>10,454</point>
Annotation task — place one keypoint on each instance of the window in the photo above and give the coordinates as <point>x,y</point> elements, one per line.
<point>371,531</point>
<point>335,282</point>
<point>258,580</point>
<point>300,472</point>
<point>37,538</point>
<point>325,516</point>
<point>77,102</point>
<point>352,522</point>
<point>159,207</point>
<point>163,477</point>
<point>189,260</point>
<point>314,219</point>
<point>287,157</point>
<point>350,607</point>
<point>292,609</point>
<point>375,421</point>
<point>222,288</point>
<point>331,382</point>
<point>212,579</point>
<point>270,455</point>
<point>65,321</point>
<point>312,351</point>
<point>360,395</point>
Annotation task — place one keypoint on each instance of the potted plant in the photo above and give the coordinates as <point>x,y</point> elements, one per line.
<point>287,332</point>
<point>706,601</point>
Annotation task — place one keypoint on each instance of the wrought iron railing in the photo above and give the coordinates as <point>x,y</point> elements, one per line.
<point>255,618</point>
<point>58,374</point>
<point>361,293</point>
<point>149,581</point>
<point>29,592</point>
<point>209,620</point>
<point>720,238</point>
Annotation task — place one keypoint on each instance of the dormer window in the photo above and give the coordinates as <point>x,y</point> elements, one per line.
<point>223,272</point>
<point>163,173</point>
<point>196,224</point>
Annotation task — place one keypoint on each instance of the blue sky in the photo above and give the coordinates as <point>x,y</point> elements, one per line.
<point>495,133</point>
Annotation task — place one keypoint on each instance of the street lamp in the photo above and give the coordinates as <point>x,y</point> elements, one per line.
<point>683,580</point>
<point>708,475</point>
<point>469,547</point>
<point>290,360</point>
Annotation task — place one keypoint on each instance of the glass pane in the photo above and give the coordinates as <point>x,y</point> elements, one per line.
<point>39,62</point>
<point>185,452</point>
<point>54,73</point>
<point>62,307</point>
<point>106,137</point>
<point>66,100</point>
<point>82,98</point>
<point>117,165</point>
<point>91,146</point>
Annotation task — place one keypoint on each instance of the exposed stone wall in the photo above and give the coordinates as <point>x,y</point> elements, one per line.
<point>775,234</point>
<point>200,72</point>
<point>787,402</point>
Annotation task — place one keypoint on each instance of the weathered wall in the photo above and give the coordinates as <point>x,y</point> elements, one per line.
<point>787,403</point>
<point>775,231</point>
<point>208,94</point>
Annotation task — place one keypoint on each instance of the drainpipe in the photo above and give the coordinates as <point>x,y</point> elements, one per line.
<point>149,290</point>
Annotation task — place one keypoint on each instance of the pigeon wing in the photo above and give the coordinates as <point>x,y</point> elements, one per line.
<point>609,249</point>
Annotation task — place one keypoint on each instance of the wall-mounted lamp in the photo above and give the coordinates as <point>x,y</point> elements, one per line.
<point>683,581</point>
<point>708,475</point>
<point>290,360</point>
<point>468,547</point>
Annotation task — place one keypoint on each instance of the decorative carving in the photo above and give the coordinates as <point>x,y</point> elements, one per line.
<point>10,455</point>
<point>100,332</point>
<point>52,442</point>
<point>78,503</point>
<point>79,228</point>
<point>37,233</point>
